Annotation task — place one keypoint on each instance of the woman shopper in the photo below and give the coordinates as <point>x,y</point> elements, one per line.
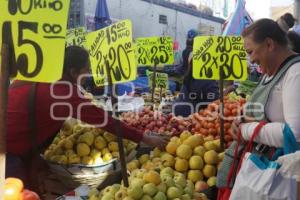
<point>31,114</point>
<point>274,101</point>
<point>278,91</point>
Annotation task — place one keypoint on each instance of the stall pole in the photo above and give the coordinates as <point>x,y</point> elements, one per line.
<point>221,86</point>
<point>4,84</point>
<point>114,102</point>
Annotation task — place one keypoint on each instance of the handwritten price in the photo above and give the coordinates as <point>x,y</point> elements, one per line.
<point>226,53</point>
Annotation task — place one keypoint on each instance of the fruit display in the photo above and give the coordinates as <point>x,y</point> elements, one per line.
<point>79,143</point>
<point>159,94</point>
<point>183,171</point>
<point>14,190</point>
<point>206,122</point>
<point>149,120</point>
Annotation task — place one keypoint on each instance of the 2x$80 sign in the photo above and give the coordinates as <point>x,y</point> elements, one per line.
<point>210,53</point>
<point>112,46</point>
<point>37,41</point>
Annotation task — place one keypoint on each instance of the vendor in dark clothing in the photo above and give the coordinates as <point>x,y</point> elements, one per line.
<point>194,94</point>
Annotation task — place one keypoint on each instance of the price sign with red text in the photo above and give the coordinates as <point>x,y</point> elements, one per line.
<point>112,46</point>
<point>210,53</point>
<point>151,48</point>
<point>35,32</point>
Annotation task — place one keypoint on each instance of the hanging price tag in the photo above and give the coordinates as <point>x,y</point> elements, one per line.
<point>112,46</point>
<point>35,31</point>
<point>76,36</point>
<point>148,49</point>
<point>212,52</point>
<point>161,80</point>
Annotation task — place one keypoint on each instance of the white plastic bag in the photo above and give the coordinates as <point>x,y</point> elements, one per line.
<point>260,179</point>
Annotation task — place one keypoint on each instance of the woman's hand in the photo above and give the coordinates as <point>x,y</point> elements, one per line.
<point>156,140</point>
<point>235,130</point>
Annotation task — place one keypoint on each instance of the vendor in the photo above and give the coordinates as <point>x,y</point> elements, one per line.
<point>33,108</point>
<point>193,92</point>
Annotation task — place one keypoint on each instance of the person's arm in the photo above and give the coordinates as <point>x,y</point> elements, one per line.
<point>85,111</point>
<point>272,133</point>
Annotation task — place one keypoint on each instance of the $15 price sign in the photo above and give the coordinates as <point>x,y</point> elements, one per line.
<point>76,36</point>
<point>148,49</point>
<point>210,53</point>
<point>112,46</point>
<point>161,80</point>
<point>37,41</point>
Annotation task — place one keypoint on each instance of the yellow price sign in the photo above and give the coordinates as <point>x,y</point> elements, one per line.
<point>151,48</point>
<point>37,41</point>
<point>76,36</point>
<point>161,80</point>
<point>210,53</point>
<point>112,46</point>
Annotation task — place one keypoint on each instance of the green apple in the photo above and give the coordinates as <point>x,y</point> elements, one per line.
<point>168,181</point>
<point>127,198</point>
<point>162,176</point>
<point>180,180</point>
<point>94,197</point>
<point>174,192</point>
<point>146,197</point>
<point>107,196</point>
<point>140,173</point>
<point>162,187</point>
<point>160,196</point>
<point>135,191</point>
<point>121,194</point>
<point>185,197</point>
<point>189,191</point>
<point>167,170</point>
<point>190,184</point>
<point>116,186</point>
<point>180,188</point>
<point>150,189</point>
<point>110,190</point>
<point>137,181</point>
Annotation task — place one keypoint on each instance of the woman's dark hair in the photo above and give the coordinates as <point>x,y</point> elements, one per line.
<point>289,19</point>
<point>266,28</point>
<point>76,58</point>
<point>294,39</point>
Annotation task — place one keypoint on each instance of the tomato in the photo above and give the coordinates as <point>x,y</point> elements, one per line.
<point>203,131</point>
<point>234,112</point>
<point>227,138</point>
<point>227,112</point>
<point>212,131</point>
<point>198,126</point>
<point>29,195</point>
<point>227,125</point>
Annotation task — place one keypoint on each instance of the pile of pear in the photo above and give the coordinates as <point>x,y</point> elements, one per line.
<point>186,168</point>
<point>80,143</point>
